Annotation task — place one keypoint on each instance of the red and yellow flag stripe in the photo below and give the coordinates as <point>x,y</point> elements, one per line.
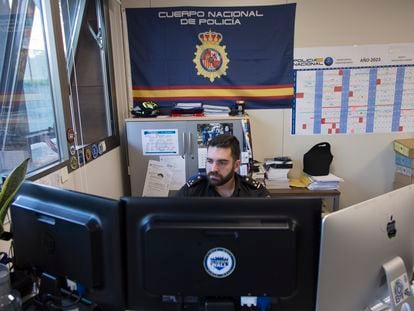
<point>268,92</point>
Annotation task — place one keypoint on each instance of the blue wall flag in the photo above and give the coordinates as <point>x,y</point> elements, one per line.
<point>213,55</point>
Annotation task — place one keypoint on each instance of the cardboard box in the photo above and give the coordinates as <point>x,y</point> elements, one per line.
<point>407,171</point>
<point>405,147</point>
<point>403,179</point>
<point>403,160</point>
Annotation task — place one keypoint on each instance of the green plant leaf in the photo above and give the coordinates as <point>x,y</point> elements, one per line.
<point>10,187</point>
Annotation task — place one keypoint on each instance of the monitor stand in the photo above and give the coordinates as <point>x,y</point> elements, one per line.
<point>49,291</point>
<point>399,285</point>
<point>53,295</point>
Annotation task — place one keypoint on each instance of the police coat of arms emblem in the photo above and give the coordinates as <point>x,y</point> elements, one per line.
<point>211,58</point>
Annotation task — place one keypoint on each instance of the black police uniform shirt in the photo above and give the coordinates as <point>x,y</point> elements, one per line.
<point>198,186</point>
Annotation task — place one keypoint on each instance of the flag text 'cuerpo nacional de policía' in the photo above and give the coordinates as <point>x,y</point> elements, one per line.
<point>213,55</point>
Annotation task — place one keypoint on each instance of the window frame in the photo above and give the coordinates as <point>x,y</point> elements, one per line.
<point>60,84</point>
<point>112,141</point>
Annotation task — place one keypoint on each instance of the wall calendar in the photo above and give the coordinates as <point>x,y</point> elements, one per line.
<point>353,90</point>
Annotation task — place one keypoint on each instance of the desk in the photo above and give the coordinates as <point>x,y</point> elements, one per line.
<point>306,193</point>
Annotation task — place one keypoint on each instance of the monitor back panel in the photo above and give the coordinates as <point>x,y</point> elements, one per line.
<point>356,241</point>
<point>275,244</point>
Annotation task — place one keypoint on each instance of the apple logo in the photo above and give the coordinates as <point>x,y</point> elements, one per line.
<point>391,229</point>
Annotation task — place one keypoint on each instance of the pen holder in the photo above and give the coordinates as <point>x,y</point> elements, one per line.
<point>240,107</point>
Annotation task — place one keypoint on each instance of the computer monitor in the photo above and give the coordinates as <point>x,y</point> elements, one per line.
<point>207,253</point>
<point>60,234</point>
<point>356,242</point>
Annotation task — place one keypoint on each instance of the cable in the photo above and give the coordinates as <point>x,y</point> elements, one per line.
<point>48,301</point>
<point>49,304</point>
<point>82,299</point>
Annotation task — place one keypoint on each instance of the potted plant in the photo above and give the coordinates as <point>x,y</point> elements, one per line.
<point>9,189</point>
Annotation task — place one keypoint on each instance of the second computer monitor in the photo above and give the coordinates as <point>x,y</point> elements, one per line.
<point>61,235</point>
<point>356,242</point>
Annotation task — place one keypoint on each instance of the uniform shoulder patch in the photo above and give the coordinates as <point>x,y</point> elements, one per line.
<point>194,180</point>
<point>251,182</point>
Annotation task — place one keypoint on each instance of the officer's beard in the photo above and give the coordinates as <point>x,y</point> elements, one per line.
<point>219,180</point>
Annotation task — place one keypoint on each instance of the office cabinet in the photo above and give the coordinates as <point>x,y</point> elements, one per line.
<point>185,137</point>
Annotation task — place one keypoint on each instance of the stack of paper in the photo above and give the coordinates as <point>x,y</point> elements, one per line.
<point>277,173</point>
<point>188,105</point>
<point>258,172</point>
<point>212,110</point>
<point>277,170</point>
<point>326,182</point>
<point>187,109</point>
<point>277,184</point>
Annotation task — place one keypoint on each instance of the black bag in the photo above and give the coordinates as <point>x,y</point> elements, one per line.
<point>317,160</point>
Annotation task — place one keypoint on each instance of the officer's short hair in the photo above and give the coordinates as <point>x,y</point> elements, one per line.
<point>226,141</point>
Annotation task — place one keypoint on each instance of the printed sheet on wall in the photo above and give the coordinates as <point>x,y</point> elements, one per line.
<point>213,55</point>
<point>354,89</point>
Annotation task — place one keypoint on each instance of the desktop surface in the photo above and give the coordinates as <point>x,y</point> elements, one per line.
<point>306,193</point>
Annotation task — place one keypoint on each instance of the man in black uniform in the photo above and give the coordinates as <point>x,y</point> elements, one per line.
<point>223,161</point>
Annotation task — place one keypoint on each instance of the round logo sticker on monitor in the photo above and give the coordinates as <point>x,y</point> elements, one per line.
<point>219,262</point>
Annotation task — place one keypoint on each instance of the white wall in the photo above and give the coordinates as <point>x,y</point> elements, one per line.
<point>366,162</point>
<point>102,176</point>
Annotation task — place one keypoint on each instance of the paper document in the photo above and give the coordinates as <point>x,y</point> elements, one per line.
<point>157,180</point>
<point>159,142</point>
<point>324,186</point>
<point>301,182</point>
<point>176,164</point>
<point>188,105</point>
<point>243,170</point>
<point>326,178</point>
<point>326,182</point>
<point>202,157</point>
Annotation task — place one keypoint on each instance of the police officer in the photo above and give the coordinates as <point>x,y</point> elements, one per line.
<point>222,163</point>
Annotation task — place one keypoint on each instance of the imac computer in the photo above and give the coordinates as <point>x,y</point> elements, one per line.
<point>71,243</point>
<point>358,244</point>
<point>222,253</point>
